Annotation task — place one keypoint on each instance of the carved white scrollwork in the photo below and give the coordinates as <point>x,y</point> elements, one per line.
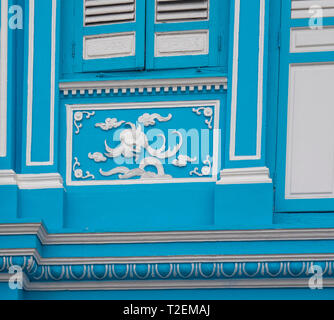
<point>207,112</point>
<point>78,173</point>
<point>134,140</point>
<point>205,171</point>
<point>183,160</point>
<point>97,157</point>
<point>126,173</point>
<point>149,119</point>
<point>145,160</point>
<point>109,124</point>
<point>78,117</point>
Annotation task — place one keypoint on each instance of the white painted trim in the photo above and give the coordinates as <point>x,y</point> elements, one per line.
<point>29,162</point>
<point>145,105</point>
<point>3,77</point>
<point>245,176</point>
<point>166,285</point>
<point>234,103</point>
<point>170,285</point>
<point>31,181</point>
<point>141,84</point>
<point>7,178</point>
<point>40,181</point>
<point>166,236</point>
<point>177,259</point>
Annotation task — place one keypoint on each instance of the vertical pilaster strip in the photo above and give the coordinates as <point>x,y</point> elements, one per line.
<point>3,77</point>
<point>30,95</point>
<point>238,90</point>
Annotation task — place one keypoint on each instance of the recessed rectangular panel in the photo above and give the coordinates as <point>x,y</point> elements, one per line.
<point>142,143</point>
<point>310,138</point>
<point>109,46</point>
<point>312,40</point>
<point>182,43</point>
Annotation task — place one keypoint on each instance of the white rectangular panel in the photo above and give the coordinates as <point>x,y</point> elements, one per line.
<point>182,43</point>
<point>109,46</point>
<point>312,40</point>
<point>310,138</point>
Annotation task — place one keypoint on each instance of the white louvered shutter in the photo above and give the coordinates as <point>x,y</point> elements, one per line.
<point>100,12</point>
<point>182,11</point>
<point>111,36</point>
<point>185,33</point>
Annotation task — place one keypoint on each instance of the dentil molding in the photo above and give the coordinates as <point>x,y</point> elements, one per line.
<point>141,85</point>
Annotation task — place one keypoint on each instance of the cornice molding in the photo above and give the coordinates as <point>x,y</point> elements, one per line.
<point>166,285</point>
<point>258,271</point>
<point>178,259</point>
<point>7,178</point>
<point>167,236</point>
<point>40,181</point>
<point>170,285</point>
<point>141,85</point>
<point>31,181</point>
<point>245,176</point>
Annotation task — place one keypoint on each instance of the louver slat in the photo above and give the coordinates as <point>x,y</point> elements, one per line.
<point>99,12</point>
<point>181,10</point>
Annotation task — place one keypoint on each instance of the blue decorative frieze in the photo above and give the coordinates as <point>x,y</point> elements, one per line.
<point>131,143</point>
<point>165,271</point>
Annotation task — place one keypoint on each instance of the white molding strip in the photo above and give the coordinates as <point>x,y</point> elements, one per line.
<point>160,85</point>
<point>234,103</point>
<point>40,181</point>
<point>245,176</point>
<point>167,236</point>
<point>167,285</point>
<point>170,285</point>
<point>7,178</point>
<point>3,77</point>
<point>177,259</point>
<point>31,181</point>
<point>29,162</point>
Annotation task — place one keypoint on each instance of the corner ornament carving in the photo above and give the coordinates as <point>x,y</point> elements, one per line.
<point>78,173</point>
<point>79,116</point>
<point>207,112</point>
<point>205,171</point>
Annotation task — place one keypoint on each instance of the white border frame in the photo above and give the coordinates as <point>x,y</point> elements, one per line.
<point>29,162</point>
<point>3,77</point>
<point>234,103</point>
<point>143,105</point>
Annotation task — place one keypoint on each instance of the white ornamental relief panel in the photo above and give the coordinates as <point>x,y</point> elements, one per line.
<point>171,142</point>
